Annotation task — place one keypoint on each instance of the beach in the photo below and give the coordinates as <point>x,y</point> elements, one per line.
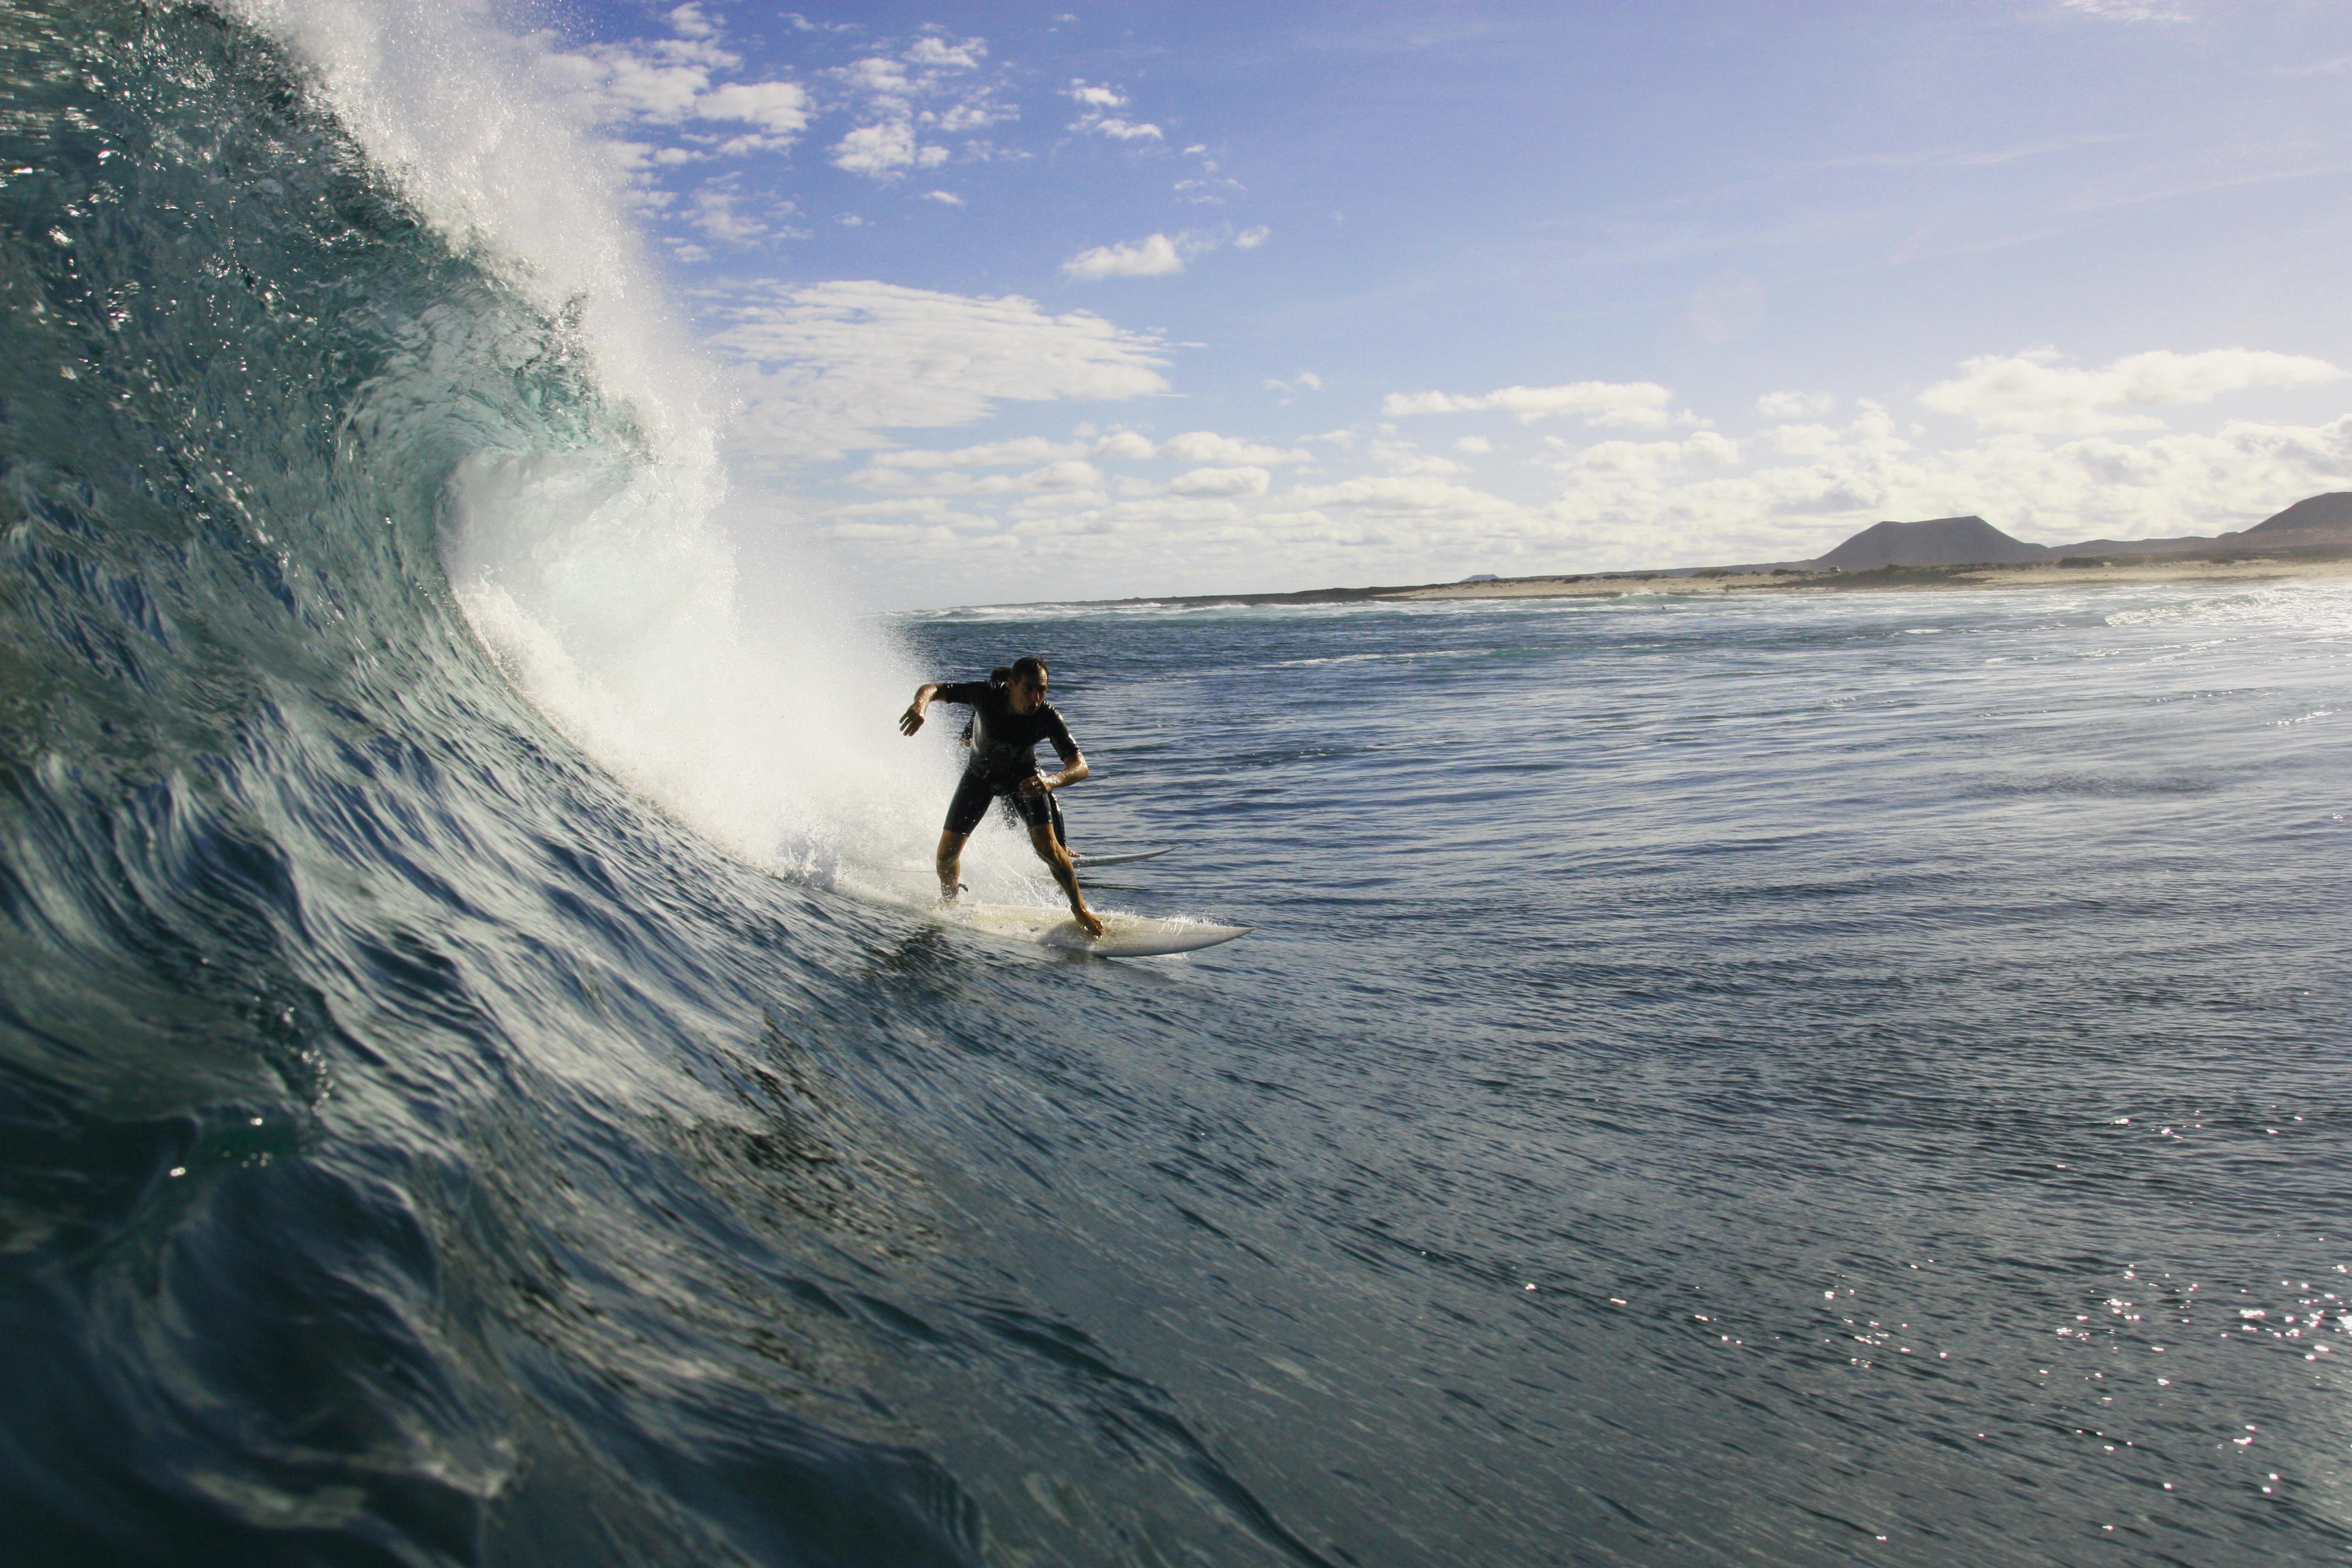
<point>2112,573</point>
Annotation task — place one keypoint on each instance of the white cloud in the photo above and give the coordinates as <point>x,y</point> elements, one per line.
<point>927,91</point>
<point>879,152</point>
<point>1399,458</point>
<point>948,198</point>
<point>937,54</point>
<point>876,74</point>
<point>1094,104</point>
<point>1251,239</point>
<point>617,83</point>
<point>1155,255</point>
<point>1785,490</point>
<point>689,21</point>
<point>1124,443</point>
<point>1240,482</point>
<point>2030,391</point>
<point>1792,405</point>
<point>1620,403</point>
<point>884,150</point>
<point>1207,446</point>
<point>987,455</point>
<point>1404,495</point>
<point>1069,473</point>
<point>717,211</point>
<point>779,108</point>
<point>829,366</point>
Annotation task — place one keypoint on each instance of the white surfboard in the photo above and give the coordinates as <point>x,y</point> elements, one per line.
<point>1123,935</point>
<point>1127,859</point>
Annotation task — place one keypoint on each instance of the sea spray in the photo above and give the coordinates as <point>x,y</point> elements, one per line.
<point>600,578</point>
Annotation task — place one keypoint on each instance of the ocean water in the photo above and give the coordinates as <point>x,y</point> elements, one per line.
<point>1835,1078</point>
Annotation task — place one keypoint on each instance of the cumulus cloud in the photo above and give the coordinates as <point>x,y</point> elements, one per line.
<point>718,211</point>
<point>1793,405</point>
<point>1095,103</point>
<point>2032,392</point>
<point>1401,494</point>
<point>987,455</point>
<point>779,108</point>
<point>1124,443</point>
<point>884,150</point>
<point>1606,403</point>
<point>1237,481</point>
<point>670,82</point>
<point>927,90</point>
<point>1594,498</point>
<point>1154,256</point>
<point>828,367</point>
<point>1207,446</point>
<point>937,54</point>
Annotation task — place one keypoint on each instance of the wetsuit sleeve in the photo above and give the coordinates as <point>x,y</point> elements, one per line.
<point>1059,733</point>
<point>968,692</point>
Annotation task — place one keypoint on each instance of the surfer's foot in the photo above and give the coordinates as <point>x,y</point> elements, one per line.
<point>948,892</point>
<point>1087,918</point>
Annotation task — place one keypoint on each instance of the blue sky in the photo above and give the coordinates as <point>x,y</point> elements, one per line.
<point>1036,301</point>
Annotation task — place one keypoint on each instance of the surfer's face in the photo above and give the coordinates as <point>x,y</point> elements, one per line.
<point>1026,694</point>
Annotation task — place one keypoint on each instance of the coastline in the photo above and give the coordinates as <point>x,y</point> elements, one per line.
<point>1688,581</point>
<point>2022,574</point>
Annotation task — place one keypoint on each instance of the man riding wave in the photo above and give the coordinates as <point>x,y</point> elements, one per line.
<point>1008,720</point>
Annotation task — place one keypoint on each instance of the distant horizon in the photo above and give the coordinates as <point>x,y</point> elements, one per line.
<point>1612,572</point>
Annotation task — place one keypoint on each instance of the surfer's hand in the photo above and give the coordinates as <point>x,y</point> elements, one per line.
<point>911,720</point>
<point>1034,785</point>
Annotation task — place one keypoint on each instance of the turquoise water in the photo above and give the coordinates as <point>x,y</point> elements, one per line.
<point>1833,1078</point>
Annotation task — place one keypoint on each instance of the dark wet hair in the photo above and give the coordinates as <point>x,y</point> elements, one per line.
<point>1029,667</point>
<point>1000,675</point>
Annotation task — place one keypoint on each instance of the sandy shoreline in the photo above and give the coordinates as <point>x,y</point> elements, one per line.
<point>2084,573</point>
<point>2033,574</point>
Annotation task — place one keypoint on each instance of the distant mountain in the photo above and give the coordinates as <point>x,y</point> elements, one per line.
<point>2332,510</point>
<point>1940,542</point>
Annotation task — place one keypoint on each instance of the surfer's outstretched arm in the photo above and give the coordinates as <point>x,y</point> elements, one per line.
<point>912,719</point>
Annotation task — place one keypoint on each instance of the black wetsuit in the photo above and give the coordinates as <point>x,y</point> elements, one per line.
<point>1003,752</point>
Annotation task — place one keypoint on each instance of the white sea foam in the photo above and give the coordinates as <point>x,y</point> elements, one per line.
<point>603,583</point>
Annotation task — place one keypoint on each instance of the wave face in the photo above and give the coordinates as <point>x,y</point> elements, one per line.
<point>381,1186</point>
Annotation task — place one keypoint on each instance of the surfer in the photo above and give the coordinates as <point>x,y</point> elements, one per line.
<point>998,677</point>
<point>1008,720</point>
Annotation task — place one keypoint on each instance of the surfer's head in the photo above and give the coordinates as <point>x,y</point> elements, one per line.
<point>1027,684</point>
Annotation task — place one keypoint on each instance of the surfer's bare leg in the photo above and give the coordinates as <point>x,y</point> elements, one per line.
<point>951,863</point>
<point>1066,871</point>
